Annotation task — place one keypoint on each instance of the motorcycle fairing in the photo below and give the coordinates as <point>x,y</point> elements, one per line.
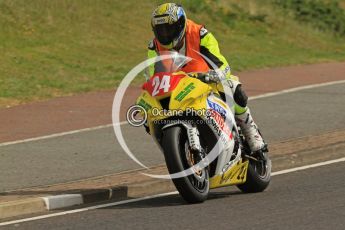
<point>237,174</point>
<point>188,92</point>
<point>162,84</point>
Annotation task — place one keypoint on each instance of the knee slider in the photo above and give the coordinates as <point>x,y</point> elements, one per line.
<point>240,97</point>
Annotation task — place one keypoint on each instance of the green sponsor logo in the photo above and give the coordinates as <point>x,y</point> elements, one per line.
<point>144,104</point>
<point>185,92</point>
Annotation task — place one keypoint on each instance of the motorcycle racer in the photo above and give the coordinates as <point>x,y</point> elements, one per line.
<point>174,32</point>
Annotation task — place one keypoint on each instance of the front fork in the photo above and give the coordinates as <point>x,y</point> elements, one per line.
<point>195,147</point>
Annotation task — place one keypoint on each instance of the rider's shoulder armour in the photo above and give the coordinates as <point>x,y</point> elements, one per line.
<point>151,45</point>
<point>203,32</point>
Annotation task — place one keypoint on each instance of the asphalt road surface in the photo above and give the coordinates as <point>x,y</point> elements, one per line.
<point>309,199</point>
<point>95,153</point>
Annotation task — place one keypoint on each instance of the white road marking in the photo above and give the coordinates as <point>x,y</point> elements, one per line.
<point>296,89</point>
<point>125,122</point>
<point>156,196</point>
<point>86,209</point>
<point>60,134</point>
<point>308,166</point>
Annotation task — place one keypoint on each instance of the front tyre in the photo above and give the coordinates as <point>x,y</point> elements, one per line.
<point>258,175</point>
<point>193,188</point>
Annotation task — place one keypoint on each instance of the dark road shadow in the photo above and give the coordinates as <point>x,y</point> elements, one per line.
<point>173,200</point>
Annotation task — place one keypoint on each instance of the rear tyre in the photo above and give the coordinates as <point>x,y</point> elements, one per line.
<point>258,176</point>
<point>193,188</point>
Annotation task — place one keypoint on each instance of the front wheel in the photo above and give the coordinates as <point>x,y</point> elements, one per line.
<point>258,175</point>
<point>193,188</point>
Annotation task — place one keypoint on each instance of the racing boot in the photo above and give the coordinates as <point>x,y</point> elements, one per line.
<point>251,132</point>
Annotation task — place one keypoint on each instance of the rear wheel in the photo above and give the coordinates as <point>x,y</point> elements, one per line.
<point>258,174</point>
<point>178,157</point>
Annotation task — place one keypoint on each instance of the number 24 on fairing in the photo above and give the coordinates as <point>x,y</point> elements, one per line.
<point>160,84</point>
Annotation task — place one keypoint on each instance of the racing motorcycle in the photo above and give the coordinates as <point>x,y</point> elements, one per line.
<point>203,147</point>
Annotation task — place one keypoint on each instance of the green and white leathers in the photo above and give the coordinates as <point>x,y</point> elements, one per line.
<point>169,24</point>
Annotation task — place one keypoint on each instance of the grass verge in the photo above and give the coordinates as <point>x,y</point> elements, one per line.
<point>64,47</point>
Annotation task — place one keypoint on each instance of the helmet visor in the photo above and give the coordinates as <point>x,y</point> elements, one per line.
<point>167,33</point>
